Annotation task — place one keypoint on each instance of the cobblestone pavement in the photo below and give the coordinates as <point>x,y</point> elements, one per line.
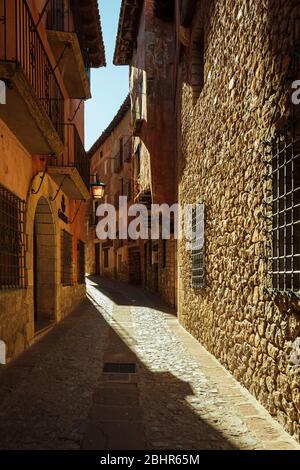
<point>56,395</point>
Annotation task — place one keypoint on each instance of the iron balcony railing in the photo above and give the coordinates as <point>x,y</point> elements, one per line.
<point>74,155</point>
<point>20,43</point>
<point>60,18</point>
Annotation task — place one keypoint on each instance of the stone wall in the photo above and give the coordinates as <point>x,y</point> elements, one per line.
<point>70,297</point>
<point>246,54</point>
<point>167,270</point>
<point>16,321</point>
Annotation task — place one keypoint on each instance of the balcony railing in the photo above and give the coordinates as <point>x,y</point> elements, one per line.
<point>60,18</point>
<point>21,44</point>
<point>74,155</point>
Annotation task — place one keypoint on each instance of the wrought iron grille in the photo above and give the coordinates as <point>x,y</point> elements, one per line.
<point>80,262</point>
<point>284,217</point>
<point>21,43</point>
<point>12,251</point>
<point>66,258</point>
<point>59,17</point>
<point>282,193</point>
<point>198,269</point>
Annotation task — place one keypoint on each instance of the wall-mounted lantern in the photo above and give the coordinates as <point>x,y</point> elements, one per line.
<point>98,188</point>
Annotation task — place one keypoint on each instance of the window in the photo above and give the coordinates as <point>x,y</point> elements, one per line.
<point>164,10</point>
<point>56,15</point>
<point>66,258</point>
<point>284,260</point>
<point>80,262</point>
<point>198,275</point>
<point>12,253</point>
<point>197,65</point>
<point>106,258</point>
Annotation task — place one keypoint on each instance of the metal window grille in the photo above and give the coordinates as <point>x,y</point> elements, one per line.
<point>197,65</point>
<point>198,268</point>
<point>58,17</point>
<point>66,258</point>
<point>12,250</point>
<point>80,262</point>
<point>284,221</point>
<point>282,193</point>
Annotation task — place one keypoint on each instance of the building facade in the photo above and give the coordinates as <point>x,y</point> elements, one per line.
<point>111,160</point>
<point>225,72</point>
<point>146,42</point>
<point>238,153</point>
<point>46,52</point>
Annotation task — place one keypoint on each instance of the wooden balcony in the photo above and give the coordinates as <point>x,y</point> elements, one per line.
<point>71,170</point>
<point>68,49</point>
<point>34,105</point>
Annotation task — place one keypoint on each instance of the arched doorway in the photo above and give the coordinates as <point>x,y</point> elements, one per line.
<point>44,266</point>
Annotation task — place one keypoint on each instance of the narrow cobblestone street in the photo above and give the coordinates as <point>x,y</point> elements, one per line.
<point>56,395</point>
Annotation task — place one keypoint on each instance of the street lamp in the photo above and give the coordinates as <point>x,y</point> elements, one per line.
<point>98,188</point>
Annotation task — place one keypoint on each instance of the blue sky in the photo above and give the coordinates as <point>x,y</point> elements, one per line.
<point>110,84</point>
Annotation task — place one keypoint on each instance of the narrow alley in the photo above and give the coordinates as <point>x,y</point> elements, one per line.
<point>149,228</point>
<point>67,392</point>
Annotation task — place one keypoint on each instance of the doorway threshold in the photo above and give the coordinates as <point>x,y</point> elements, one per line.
<point>42,328</point>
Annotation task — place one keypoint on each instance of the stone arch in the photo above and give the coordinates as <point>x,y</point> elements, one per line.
<point>44,265</point>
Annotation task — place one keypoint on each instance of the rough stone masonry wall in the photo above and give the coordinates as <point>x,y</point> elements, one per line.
<point>16,322</point>
<point>167,273</point>
<point>246,55</point>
